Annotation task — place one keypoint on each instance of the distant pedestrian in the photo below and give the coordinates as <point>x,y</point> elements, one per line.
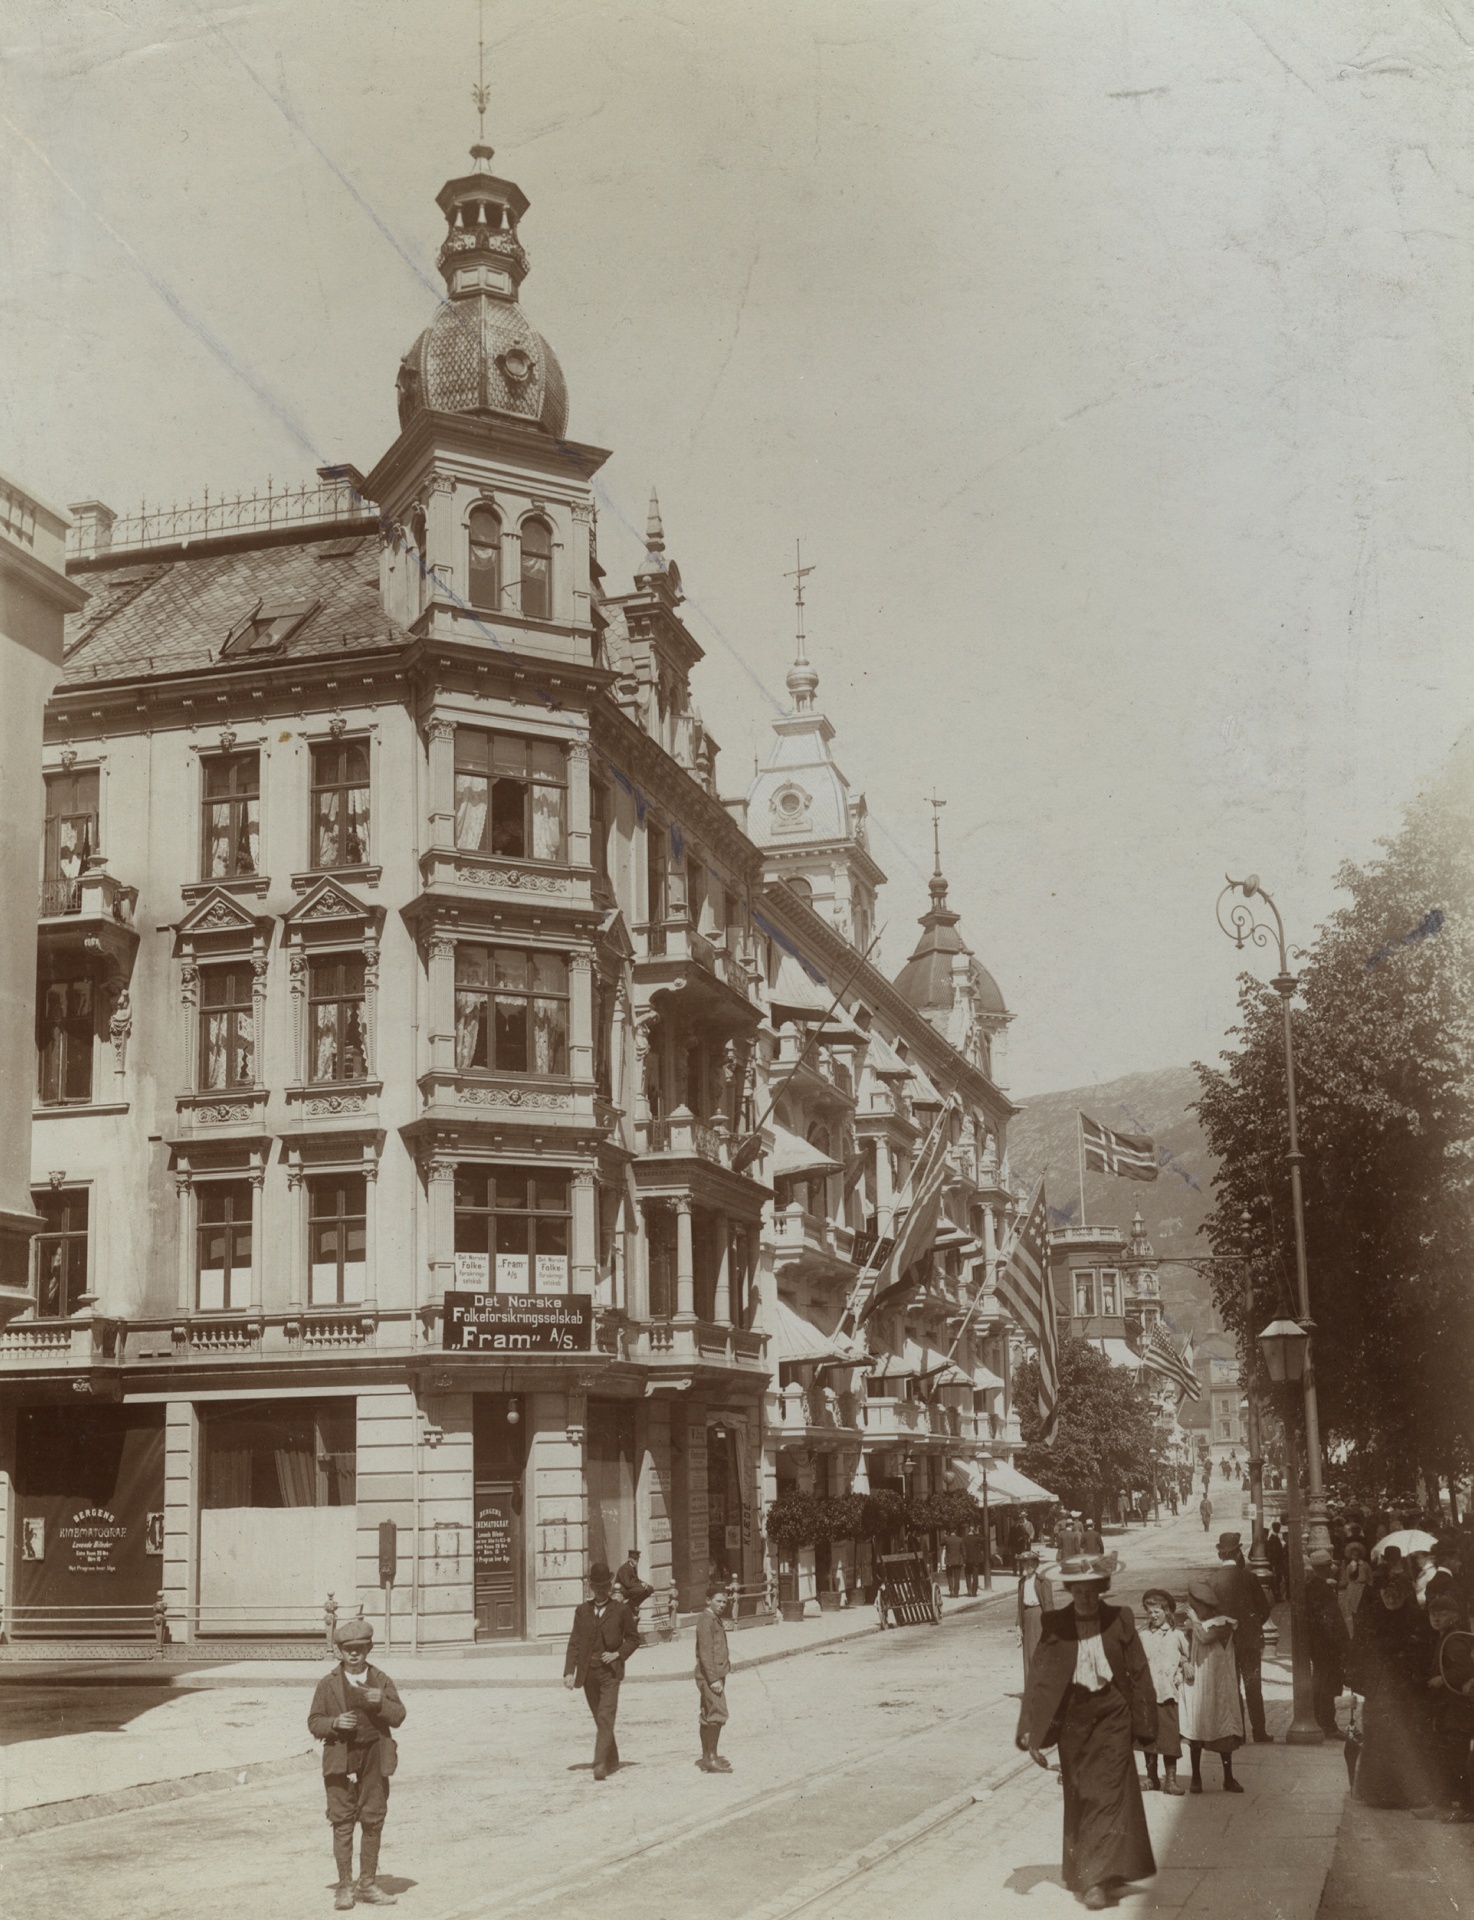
<point>633,1590</point>
<point>1205,1511</point>
<point>1067,1539</point>
<point>352,1712</point>
<point>1166,1648</point>
<point>1019,1539</point>
<point>1090,1692</point>
<point>1030,1608</point>
<point>712,1667</point>
<point>1090,1540</point>
<point>604,1636</point>
<point>1211,1712</point>
<point>1248,1604</point>
<point>952,1551</point>
<point>1355,1578</point>
<point>1278,1558</point>
<point>972,1557</point>
<point>1329,1641</point>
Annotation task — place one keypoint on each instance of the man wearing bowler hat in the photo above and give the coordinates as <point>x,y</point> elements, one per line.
<point>352,1711</point>
<point>1248,1605</point>
<point>605,1634</point>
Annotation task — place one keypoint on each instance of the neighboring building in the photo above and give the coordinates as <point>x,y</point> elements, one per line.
<point>411,1011</point>
<point>35,598</point>
<point>1088,1266</point>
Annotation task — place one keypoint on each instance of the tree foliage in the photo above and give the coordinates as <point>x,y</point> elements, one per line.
<point>1103,1439</point>
<point>1384,1057</point>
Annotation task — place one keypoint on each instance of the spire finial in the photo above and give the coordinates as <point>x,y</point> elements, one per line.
<point>938,883</point>
<point>802,680</point>
<point>481,93</point>
<point>654,527</point>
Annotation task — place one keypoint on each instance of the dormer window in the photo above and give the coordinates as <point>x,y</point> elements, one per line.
<point>268,626</point>
<point>537,570</point>
<point>484,573</point>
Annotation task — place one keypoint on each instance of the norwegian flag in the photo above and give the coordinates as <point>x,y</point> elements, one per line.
<point>1160,1356</point>
<point>1132,1156</point>
<point>1025,1292</point>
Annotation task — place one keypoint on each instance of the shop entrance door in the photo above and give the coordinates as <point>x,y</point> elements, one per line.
<point>498,1541</point>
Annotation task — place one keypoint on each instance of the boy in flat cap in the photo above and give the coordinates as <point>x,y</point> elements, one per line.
<point>352,1711</point>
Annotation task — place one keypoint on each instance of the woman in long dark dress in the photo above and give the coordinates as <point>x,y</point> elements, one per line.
<point>1090,1692</point>
<point>1390,1654</point>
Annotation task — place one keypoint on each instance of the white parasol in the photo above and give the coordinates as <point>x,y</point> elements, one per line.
<point>1409,1540</point>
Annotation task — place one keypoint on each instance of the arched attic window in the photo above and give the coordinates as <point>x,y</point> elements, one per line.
<point>537,570</point>
<point>484,573</point>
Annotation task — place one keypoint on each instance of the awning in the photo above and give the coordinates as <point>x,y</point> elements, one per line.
<point>795,996</point>
<point>794,1156</point>
<point>895,1366</point>
<point>923,1093</point>
<point>950,1375</point>
<point>985,1380</point>
<point>1117,1352</point>
<point>799,1341</point>
<point>950,1235</point>
<point>883,1057</point>
<point>1007,1487</point>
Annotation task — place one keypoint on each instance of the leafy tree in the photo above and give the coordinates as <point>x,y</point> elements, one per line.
<point>1103,1438</point>
<point>1384,1055</point>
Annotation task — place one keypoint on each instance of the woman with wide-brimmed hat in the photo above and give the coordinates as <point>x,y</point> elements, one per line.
<point>1090,1692</point>
<point>1211,1712</point>
<point>1391,1654</point>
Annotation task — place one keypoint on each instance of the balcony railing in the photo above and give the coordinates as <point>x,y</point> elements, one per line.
<point>329,503</point>
<point>93,893</point>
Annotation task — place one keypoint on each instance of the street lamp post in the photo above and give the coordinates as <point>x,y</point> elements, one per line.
<point>1258,1554</point>
<point>1285,1346</point>
<point>1243,926</point>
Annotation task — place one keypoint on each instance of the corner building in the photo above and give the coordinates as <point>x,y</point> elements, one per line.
<point>408,1005</point>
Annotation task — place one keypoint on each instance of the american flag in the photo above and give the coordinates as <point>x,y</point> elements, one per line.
<point>1133,1156</point>
<point>1025,1293</point>
<point>1160,1356</point>
<point>917,1230</point>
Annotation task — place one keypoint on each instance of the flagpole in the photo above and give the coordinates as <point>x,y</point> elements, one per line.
<point>1080,1144</point>
<point>847,1317</point>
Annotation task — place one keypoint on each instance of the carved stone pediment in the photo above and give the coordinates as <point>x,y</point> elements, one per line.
<point>218,912</point>
<point>331,903</point>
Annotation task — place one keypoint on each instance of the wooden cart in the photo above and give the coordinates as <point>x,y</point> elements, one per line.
<point>907,1593</point>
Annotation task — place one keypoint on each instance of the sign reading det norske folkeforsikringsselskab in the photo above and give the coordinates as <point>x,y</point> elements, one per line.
<point>518,1323</point>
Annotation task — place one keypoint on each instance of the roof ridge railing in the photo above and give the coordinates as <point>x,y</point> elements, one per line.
<point>96,530</point>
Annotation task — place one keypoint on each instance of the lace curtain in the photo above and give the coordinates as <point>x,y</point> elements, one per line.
<point>470,1030</point>
<point>471,805</point>
<point>547,823</point>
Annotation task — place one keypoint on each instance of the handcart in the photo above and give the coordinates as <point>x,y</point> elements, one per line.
<point>907,1593</point>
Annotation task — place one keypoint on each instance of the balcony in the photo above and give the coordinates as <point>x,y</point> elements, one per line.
<point>90,1342</point>
<point>687,1349</point>
<point>819,1416</point>
<point>711,978</point>
<point>90,913</point>
<point>809,1243</point>
<point>467,874</point>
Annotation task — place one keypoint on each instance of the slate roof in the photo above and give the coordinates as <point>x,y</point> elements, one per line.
<point>166,615</point>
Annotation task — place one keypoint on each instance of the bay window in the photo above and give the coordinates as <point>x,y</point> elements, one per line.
<point>512,1229</point>
<point>510,795</point>
<point>511,1010</point>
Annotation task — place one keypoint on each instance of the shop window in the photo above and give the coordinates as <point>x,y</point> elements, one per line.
<point>337,1233</point>
<point>60,1251</point>
<point>537,570</point>
<point>510,795</point>
<point>512,1229</point>
<point>335,1041</point>
<point>231,824</point>
<point>340,804</point>
<point>511,1010</point>
<point>65,1034</point>
<point>70,838</point>
<point>223,1245</point>
<point>484,573</point>
<point>227,1027</point>
<point>284,1453</point>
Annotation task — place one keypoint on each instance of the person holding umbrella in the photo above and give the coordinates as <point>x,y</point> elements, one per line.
<point>1090,1692</point>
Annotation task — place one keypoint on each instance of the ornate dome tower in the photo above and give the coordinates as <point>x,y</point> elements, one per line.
<point>945,980</point>
<point>480,355</point>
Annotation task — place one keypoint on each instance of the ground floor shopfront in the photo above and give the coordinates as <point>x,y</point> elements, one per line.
<point>450,1503</point>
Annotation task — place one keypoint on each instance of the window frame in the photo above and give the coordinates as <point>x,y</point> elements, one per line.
<point>211,969</point>
<point>478,763</point>
<point>342,998</point>
<point>70,1028</point>
<point>535,523</point>
<point>237,803</point>
<point>343,787</point>
<point>490,995</point>
<point>557,1220</point>
<point>66,1237</point>
<point>228,1190</point>
<point>62,893</point>
<point>344,1220</point>
<point>484,509</point>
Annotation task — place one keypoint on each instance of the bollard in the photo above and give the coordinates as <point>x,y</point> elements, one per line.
<point>161,1624</point>
<point>330,1623</point>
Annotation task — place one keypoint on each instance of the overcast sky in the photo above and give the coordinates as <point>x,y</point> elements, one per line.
<point>1112,360</point>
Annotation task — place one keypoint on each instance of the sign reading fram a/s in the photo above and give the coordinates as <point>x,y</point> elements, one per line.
<point>510,1323</point>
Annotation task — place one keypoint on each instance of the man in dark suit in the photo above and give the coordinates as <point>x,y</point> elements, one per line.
<point>1090,1692</point>
<point>1090,1540</point>
<point>1248,1605</point>
<point>604,1636</point>
<point>1067,1539</point>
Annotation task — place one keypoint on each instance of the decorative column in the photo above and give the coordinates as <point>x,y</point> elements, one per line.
<point>442,1226</point>
<point>189,999</point>
<point>370,1003</point>
<point>580,1016</point>
<point>440,736</point>
<point>579,803</point>
<point>257,1178</point>
<point>183,1189</point>
<point>371,1231</point>
<point>441,967</point>
<point>885,1201</point>
<point>637,1267</point>
<point>685,1261</point>
<point>299,1290</point>
<point>722,1302</point>
<point>585,1232</point>
<point>578,563</point>
<point>441,535</point>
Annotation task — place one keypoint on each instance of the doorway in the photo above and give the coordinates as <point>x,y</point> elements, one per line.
<point>499,1453</point>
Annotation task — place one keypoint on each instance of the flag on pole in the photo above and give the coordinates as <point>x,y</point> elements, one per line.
<point>914,1236</point>
<point>1160,1356</point>
<point>1026,1295</point>
<point>1131,1156</point>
